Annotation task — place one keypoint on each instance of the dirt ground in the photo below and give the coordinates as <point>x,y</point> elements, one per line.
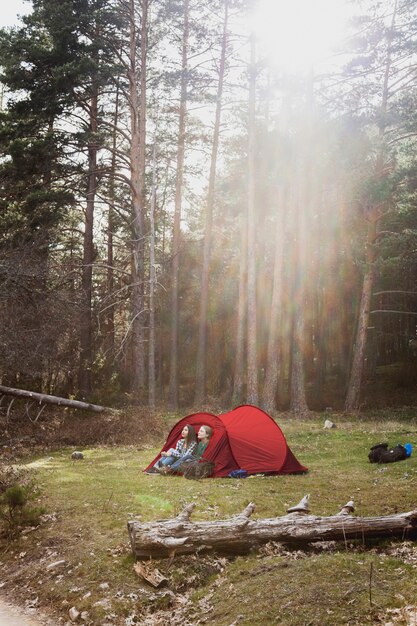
<point>12,616</point>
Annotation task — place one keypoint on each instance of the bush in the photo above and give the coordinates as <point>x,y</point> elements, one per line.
<point>130,426</point>
<point>10,476</point>
<point>16,492</point>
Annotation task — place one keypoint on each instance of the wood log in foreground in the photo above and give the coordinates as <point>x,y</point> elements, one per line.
<point>239,534</point>
<point>42,399</point>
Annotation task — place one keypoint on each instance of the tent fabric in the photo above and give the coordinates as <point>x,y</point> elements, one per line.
<point>218,450</point>
<point>245,438</point>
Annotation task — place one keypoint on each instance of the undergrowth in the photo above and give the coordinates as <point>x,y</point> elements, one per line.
<point>18,489</point>
<point>79,556</point>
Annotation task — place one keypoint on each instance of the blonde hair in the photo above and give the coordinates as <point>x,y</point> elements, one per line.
<point>209,431</point>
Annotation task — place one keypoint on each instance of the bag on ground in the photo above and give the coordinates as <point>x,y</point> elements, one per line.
<point>196,469</point>
<point>380,453</point>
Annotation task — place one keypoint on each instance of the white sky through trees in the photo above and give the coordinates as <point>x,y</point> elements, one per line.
<point>10,10</point>
<point>297,35</point>
<point>293,35</point>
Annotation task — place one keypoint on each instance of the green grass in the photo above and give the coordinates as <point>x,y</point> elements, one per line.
<point>90,501</point>
<point>324,589</point>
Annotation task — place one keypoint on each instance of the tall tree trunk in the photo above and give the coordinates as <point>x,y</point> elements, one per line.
<point>252,366</point>
<point>343,293</point>
<point>86,331</point>
<point>298,402</point>
<point>318,283</point>
<point>40,261</point>
<point>137,166</point>
<point>200,385</point>
<point>176,240</point>
<point>152,284</point>
<point>239,369</point>
<point>273,364</point>
<point>358,359</point>
<point>109,317</point>
<point>374,216</point>
<point>144,4</point>
<point>302,202</point>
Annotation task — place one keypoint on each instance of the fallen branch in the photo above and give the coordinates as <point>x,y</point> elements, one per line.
<point>240,534</point>
<point>42,399</point>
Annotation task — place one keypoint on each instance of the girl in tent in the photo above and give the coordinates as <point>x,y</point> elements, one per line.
<point>185,447</point>
<point>203,435</point>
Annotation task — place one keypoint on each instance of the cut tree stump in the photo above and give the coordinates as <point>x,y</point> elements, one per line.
<point>240,534</point>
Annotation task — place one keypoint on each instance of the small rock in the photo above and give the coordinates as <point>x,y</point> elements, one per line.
<point>84,615</point>
<point>104,585</point>
<point>329,424</point>
<point>74,614</point>
<point>105,604</point>
<point>76,456</point>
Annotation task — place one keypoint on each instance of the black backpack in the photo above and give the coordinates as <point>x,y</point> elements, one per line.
<point>376,451</point>
<point>381,454</point>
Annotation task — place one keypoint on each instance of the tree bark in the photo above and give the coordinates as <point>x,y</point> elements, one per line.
<point>143,104</point>
<point>298,401</point>
<point>373,216</point>
<point>173,378</point>
<point>109,325</point>
<point>42,398</point>
<point>137,151</point>
<point>152,284</point>
<point>358,360</point>
<point>252,368</point>
<point>273,363</point>
<point>238,380</point>
<point>239,534</point>
<point>86,330</point>
<point>302,218</point>
<point>200,384</point>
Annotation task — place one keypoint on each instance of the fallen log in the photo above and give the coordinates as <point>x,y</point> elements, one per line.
<point>240,534</point>
<point>42,399</point>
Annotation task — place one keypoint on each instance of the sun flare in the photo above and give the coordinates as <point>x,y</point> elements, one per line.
<point>296,36</point>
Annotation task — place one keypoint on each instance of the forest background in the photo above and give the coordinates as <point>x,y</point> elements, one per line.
<point>183,220</point>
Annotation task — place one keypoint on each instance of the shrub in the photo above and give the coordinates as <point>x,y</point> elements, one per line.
<point>16,492</point>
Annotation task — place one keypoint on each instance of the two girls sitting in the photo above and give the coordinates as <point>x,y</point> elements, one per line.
<point>190,447</point>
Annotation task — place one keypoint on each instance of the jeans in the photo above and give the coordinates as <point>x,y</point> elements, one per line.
<point>173,461</point>
<point>175,466</point>
<point>165,460</point>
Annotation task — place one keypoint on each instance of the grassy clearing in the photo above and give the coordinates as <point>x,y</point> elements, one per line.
<point>316,589</point>
<point>89,502</point>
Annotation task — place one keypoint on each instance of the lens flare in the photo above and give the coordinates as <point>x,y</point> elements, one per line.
<point>297,35</point>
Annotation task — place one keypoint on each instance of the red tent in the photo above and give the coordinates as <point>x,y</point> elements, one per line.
<point>245,438</point>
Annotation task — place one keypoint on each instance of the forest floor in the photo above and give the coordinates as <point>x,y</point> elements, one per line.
<point>13,616</point>
<point>80,558</point>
